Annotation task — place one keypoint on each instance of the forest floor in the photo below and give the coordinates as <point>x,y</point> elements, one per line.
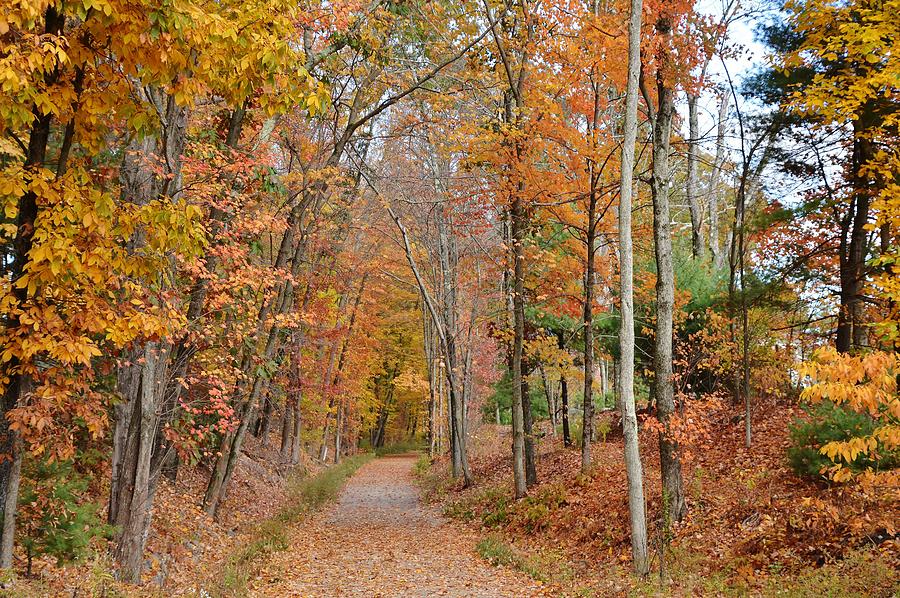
<point>753,527</point>
<point>380,540</point>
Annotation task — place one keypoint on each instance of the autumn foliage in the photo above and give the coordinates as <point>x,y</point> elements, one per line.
<point>244,240</point>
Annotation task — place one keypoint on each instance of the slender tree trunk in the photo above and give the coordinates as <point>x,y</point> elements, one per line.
<point>338,425</point>
<point>13,477</point>
<point>442,429</point>
<point>528,426</point>
<point>633,467</point>
<point>265,420</point>
<point>518,303</point>
<point>428,348</point>
<point>588,324</point>
<point>286,427</point>
<point>715,247</point>
<point>564,410</point>
<point>296,439</point>
<point>448,260</point>
<point>663,381</point>
<point>697,241</point>
<point>548,392</point>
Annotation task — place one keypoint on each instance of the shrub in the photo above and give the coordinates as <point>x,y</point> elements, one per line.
<point>536,510</point>
<point>55,519</point>
<point>829,423</point>
<point>500,554</point>
<point>497,513</point>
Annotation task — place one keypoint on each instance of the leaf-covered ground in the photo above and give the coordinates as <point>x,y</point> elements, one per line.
<point>379,540</point>
<point>753,527</point>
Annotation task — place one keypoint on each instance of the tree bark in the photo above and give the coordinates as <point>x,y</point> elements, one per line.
<point>448,257</point>
<point>551,401</point>
<point>338,429</point>
<point>564,410</point>
<point>528,426</point>
<point>518,307</point>
<point>715,247</point>
<point>663,382</point>
<point>11,492</point>
<point>145,382</point>
<point>697,241</point>
<point>633,467</point>
<point>851,330</point>
<point>286,428</point>
<point>588,324</point>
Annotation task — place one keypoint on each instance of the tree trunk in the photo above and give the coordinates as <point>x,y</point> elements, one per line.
<point>551,403</point>
<point>715,247</point>
<point>587,427</point>
<point>564,410</point>
<point>145,382</point>
<point>851,332</point>
<point>697,241</point>
<point>663,383</point>
<point>633,467</point>
<point>448,259</point>
<point>442,429</point>
<point>338,425</point>
<point>286,427</point>
<point>296,440</point>
<point>428,349</point>
<point>528,426</point>
<point>265,420</point>
<point>517,235</point>
<point>10,503</point>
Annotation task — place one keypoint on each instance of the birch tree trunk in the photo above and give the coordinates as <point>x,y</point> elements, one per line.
<point>697,241</point>
<point>715,246</point>
<point>633,467</point>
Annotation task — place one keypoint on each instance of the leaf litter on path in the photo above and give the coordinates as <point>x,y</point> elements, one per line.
<point>380,541</point>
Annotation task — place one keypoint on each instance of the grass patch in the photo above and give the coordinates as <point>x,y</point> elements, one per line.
<point>433,480</point>
<point>304,496</point>
<point>422,467</point>
<point>497,552</point>
<point>401,448</point>
<point>862,573</point>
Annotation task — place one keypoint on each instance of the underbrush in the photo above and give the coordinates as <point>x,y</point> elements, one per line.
<point>305,495</point>
<point>495,508</point>
<point>862,573</point>
<point>826,423</point>
<point>754,526</point>
<point>500,554</point>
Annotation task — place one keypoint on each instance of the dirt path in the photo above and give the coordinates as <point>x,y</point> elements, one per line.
<point>379,540</point>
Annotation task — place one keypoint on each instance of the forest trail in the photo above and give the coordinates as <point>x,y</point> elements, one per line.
<point>380,541</point>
